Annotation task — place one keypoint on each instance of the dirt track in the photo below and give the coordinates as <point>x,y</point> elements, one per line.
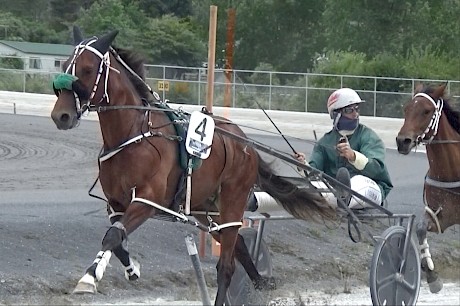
<point>51,231</point>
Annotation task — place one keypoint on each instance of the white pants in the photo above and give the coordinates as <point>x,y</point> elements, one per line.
<point>359,183</point>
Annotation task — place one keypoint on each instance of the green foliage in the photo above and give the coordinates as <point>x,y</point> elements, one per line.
<point>264,76</point>
<point>173,42</point>
<point>107,15</point>
<point>38,83</point>
<point>11,81</point>
<point>429,64</point>
<point>405,39</point>
<point>11,63</point>
<point>158,8</point>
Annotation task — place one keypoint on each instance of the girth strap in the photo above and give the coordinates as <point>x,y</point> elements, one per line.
<point>439,184</point>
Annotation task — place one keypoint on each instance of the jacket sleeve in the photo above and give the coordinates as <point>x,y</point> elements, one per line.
<point>374,149</point>
<point>317,157</point>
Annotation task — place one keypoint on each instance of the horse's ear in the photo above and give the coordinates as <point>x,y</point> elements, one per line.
<point>77,35</point>
<point>104,42</point>
<point>439,91</point>
<point>418,88</point>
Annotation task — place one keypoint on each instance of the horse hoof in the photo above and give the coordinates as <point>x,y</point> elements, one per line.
<point>82,288</point>
<point>435,286</point>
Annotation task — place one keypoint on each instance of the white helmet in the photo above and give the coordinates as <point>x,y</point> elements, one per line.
<point>340,98</point>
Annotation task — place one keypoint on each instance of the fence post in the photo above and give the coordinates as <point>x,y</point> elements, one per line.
<point>375,97</point>
<point>306,93</point>
<point>270,92</point>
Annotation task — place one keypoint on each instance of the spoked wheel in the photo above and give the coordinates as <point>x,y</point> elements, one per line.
<point>241,290</point>
<point>395,276</point>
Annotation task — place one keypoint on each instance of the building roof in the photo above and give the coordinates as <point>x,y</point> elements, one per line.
<point>39,48</point>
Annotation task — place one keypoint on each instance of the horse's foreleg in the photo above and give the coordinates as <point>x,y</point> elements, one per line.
<point>112,240</point>
<point>132,267</point>
<point>433,280</point>
<point>242,254</point>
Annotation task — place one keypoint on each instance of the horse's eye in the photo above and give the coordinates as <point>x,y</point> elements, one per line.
<point>87,70</point>
<point>426,112</point>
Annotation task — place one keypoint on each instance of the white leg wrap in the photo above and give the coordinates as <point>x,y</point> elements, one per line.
<point>102,260</point>
<point>425,253</point>
<point>132,269</point>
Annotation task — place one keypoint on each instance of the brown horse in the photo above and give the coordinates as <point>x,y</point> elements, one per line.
<point>430,120</point>
<point>140,172</point>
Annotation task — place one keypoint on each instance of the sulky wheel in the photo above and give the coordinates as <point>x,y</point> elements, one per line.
<point>241,290</point>
<point>395,278</point>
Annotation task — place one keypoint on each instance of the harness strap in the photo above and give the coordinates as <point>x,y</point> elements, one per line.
<point>105,156</point>
<point>439,184</point>
<point>433,215</point>
<point>213,226</point>
<point>157,206</point>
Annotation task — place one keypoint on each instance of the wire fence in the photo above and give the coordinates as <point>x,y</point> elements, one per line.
<point>297,92</point>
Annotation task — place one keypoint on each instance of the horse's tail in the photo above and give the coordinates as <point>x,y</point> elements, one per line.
<point>301,203</point>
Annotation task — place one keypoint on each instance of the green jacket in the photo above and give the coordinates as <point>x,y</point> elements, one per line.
<point>364,140</point>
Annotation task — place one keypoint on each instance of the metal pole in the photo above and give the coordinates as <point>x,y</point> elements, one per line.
<point>270,92</point>
<point>306,92</point>
<point>192,251</point>
<point>375,97</point>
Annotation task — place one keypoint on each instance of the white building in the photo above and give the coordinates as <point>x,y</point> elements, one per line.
<point>37,56</point>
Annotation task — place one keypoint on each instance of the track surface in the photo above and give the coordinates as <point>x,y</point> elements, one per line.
<point>51,229</point>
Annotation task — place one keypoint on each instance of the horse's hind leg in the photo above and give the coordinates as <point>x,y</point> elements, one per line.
<point>433,280</point>
<point>242,254</point>
<point>226,263</point>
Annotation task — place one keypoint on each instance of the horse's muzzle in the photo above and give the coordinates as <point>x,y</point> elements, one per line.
<point>64,120</point>
<point>405,144</point>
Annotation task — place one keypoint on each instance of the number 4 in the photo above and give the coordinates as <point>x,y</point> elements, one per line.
<point>201,132</point>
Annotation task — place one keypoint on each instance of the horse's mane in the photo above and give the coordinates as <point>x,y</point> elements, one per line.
<point>452,115</point>
<point>136,62</point>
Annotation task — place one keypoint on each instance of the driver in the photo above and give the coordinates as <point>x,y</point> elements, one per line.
<point>351,152</point>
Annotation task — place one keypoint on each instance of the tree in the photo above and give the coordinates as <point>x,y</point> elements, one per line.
<point>37,10</point>
<point>158,8</point>
<point>282,33</point>
<point>374,27</point>
<point>107,15</point>
<point>169,40</point>
<point>164,40</point>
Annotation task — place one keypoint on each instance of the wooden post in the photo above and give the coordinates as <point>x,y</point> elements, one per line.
<point>229,58</point>
<point>210,92</point>
<point>211,57</point>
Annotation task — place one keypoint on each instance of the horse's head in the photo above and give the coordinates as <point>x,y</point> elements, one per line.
<point>84,80</point>
<point>421,117</point>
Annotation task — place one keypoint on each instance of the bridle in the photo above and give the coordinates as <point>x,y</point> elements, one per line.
<point>434,122</point>
<point>86,45</point>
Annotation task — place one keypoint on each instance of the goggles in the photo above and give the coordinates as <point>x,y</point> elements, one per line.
<point>350,109</point>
